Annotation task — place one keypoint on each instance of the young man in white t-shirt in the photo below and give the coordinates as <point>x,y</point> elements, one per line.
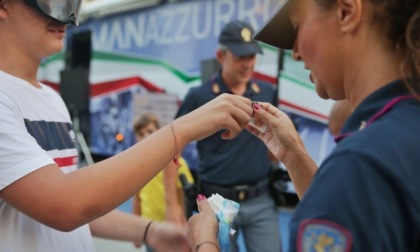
<point>46,203</point>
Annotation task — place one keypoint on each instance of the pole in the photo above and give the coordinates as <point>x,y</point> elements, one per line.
<point>81,144</point>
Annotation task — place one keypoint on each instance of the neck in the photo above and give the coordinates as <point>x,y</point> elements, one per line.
<point>376,66</point>
<point>14,62</point>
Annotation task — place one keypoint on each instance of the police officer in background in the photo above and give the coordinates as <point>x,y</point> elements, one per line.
<point>238,169</point>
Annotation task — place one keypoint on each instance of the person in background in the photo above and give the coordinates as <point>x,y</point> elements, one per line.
<point>46,203</point>
<point>366,195</point>
<point>239,169</point>
<point>160,199</point>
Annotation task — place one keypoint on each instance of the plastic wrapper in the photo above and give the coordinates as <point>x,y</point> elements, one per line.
<point>225,211</point>
<point>262,127</point>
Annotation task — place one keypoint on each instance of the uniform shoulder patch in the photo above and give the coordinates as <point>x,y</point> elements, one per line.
<point>321,235</point>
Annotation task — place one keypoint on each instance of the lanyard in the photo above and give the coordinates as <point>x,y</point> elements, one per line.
<point>383,111</point>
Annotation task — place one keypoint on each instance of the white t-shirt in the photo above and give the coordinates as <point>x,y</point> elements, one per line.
<point>35,131</point>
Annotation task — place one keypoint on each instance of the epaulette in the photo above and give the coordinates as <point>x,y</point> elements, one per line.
<point>255,87</point>
<point>215,88</point>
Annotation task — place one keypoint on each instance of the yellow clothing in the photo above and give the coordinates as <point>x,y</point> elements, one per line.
<point>152,196</point>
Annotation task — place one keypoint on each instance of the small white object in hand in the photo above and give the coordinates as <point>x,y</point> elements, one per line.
<point>262,128</point>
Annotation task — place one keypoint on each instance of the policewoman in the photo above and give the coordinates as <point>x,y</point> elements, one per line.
<point>366,194</point>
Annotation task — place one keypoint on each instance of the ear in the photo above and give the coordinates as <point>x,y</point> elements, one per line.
<point>349,14</point>
<point>220,55</point>
<point>3,10</point>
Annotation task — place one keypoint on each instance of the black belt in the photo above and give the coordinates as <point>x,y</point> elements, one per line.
<point>236,193</point>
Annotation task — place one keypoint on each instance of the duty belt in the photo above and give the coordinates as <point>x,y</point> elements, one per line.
<point>236,193</point>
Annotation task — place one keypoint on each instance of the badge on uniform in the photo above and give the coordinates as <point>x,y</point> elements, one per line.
<point>215,88</point>
<point>255,87</point>
<point>323,235</point>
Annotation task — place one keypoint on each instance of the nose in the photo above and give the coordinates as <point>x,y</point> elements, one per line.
<point>246,64</point>
<point>248,61</point>
<point>296,55</point>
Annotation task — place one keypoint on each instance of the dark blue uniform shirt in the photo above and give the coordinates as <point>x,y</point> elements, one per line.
<point>243,160</point>
<point>366,195</point>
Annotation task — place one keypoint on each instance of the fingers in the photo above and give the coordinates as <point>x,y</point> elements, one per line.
<point>241,112</point>
<point>264,110</point>
<point>234,124</point>
<point>233,113</point>
<point>203,204</point>
<point>204,225</point>
<point>270,114</point>
<point>226,112</point>
<point>263,118</point>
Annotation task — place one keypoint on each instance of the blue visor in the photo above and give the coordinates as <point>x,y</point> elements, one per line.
<point>63,11</point>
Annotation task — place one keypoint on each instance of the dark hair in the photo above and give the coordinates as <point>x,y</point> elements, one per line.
<point>402,27</point>
<point>144,120</point>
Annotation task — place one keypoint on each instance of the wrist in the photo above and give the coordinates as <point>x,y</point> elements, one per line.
<point>212,246</point>
<point>297,153</point>
<point>146,232</point>
<point>181,126</point>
